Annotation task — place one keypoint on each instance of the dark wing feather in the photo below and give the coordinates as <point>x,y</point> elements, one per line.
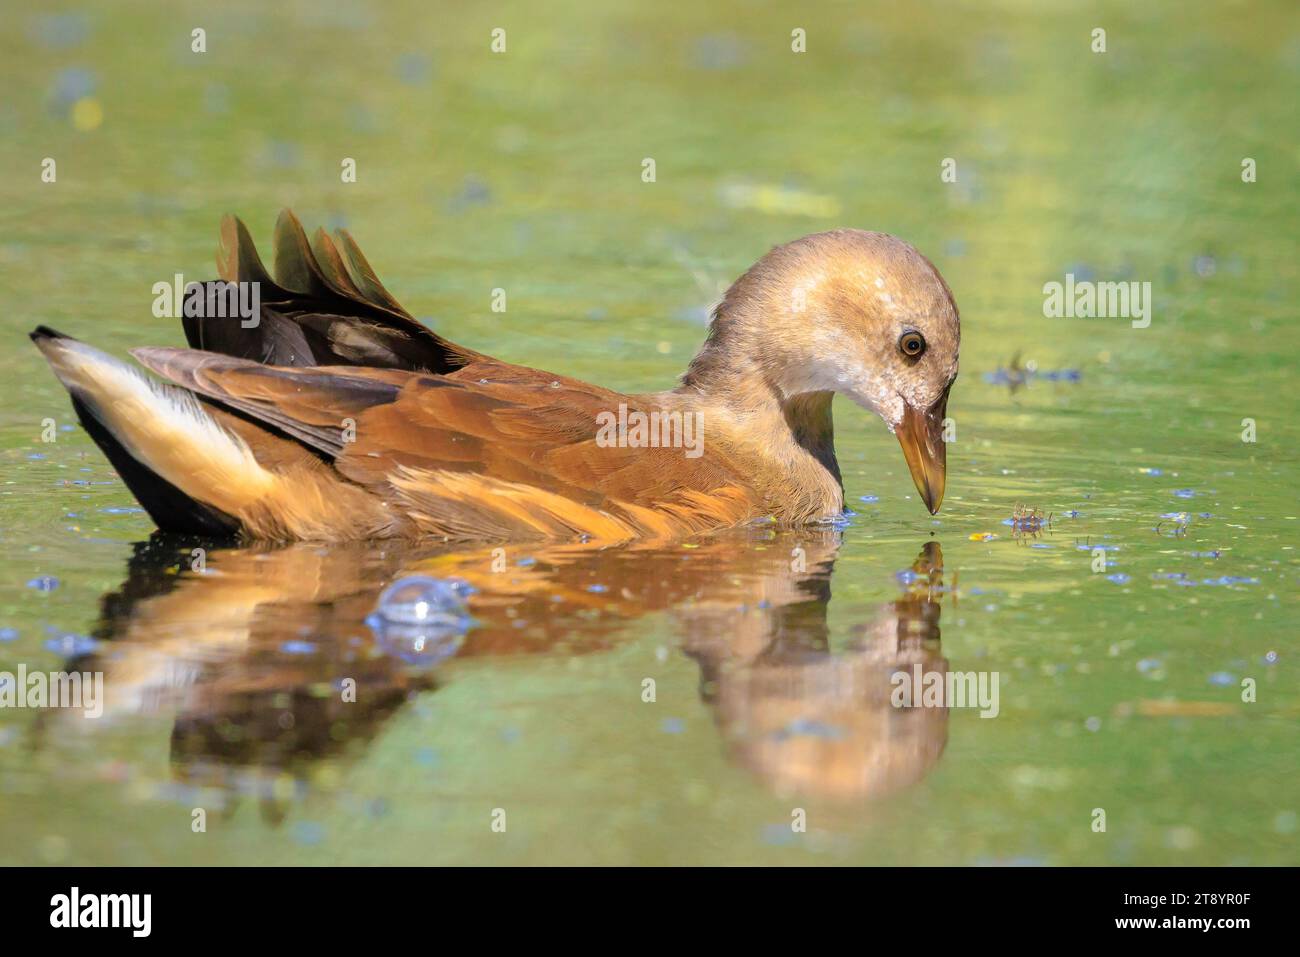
<point>324,307</point>
<point>363,276</point>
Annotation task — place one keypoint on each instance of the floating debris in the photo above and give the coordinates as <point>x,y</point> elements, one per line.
<point>70,645</point>
<point>778,200</point>
<point>1168,708</point>
<point>1182,578</point>
<point>983,537</point>
<point>1016,376</point>
<point>1178,522</point>
<point>1027,522</point>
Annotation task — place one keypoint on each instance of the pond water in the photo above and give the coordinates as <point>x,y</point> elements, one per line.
<point>1142,634</point>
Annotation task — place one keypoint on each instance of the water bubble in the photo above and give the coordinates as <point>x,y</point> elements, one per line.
<point>422,620</point>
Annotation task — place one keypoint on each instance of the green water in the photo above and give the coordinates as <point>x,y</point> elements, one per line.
<point>1120,689</point>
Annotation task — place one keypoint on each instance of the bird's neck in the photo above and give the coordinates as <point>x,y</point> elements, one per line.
<point>796,430</point>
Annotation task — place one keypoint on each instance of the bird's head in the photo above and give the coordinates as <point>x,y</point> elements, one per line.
<point>859,313</point>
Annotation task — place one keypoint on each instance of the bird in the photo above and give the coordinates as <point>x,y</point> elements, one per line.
<point>334,415</point>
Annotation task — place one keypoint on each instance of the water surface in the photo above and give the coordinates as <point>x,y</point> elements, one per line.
<point>770,653</point>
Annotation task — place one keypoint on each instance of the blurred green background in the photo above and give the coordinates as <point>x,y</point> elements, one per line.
<point>522,171</point>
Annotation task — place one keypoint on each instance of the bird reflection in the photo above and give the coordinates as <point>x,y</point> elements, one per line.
<point>810,721</point>
<point>263,660</point>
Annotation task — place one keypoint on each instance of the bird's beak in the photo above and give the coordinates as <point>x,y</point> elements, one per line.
<point>921,436</point>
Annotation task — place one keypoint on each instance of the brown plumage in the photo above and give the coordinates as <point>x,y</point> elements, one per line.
<point>338,416</point>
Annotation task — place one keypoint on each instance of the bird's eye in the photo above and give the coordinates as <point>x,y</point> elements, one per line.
<point>911,344</point>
